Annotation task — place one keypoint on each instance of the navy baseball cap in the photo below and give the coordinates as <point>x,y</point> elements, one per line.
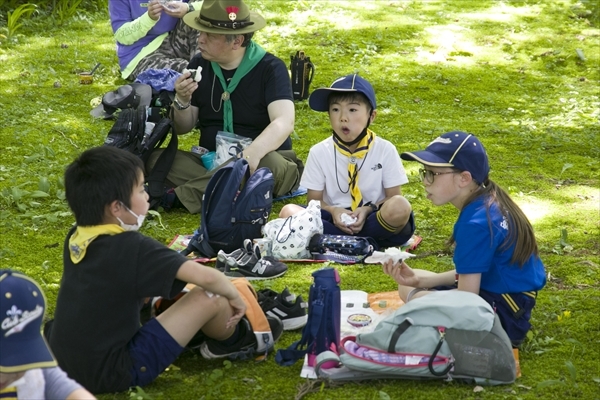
<point>457,150</point>
<point>22,307</point>
<point>319,99</point>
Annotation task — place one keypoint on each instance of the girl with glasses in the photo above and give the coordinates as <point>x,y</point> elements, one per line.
<point>495,250</point>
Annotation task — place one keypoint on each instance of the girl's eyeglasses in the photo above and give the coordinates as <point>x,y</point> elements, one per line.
<point>429,176</point>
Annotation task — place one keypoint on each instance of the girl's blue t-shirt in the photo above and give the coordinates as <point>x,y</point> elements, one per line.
<point>479,250</point>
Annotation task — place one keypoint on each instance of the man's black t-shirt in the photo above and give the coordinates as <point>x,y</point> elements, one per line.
<point>267,82</point>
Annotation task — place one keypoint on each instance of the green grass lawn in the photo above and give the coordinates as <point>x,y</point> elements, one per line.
<point>521,75</point>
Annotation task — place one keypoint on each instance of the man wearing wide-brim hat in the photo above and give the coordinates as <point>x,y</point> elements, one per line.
<point>236,86</point>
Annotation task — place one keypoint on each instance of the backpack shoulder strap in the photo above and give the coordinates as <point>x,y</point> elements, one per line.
<point>199,242</point>
<point>156,178</point>
<point>256,316</point>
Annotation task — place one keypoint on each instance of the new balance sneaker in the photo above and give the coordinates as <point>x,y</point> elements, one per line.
<point>250,256</point>
<point>291,310</point>
<point>246,346</point>
<point>223,259</point>
<point>257,268</point>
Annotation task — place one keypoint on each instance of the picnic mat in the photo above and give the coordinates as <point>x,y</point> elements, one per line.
<point>360,307</point>
<point>180,242</point>
<point>298,192</point>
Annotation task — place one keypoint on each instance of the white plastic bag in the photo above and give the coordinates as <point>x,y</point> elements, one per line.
<point>228,145</point>
<point>290,236</point>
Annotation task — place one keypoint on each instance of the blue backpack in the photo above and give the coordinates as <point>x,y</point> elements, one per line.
<point>322,331</point>
<point>235,206</point>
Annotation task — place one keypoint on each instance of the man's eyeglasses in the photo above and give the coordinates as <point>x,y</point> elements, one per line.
<point>429,175</point>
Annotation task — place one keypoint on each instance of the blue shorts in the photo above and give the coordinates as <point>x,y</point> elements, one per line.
<point>513,309</point>
<point>371,229</point>
<point>152,350</point>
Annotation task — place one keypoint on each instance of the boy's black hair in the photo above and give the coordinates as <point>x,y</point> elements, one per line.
<point>350,97</point>
<point>98,177</point>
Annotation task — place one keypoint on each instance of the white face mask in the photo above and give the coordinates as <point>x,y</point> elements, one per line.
<point>138,224</point>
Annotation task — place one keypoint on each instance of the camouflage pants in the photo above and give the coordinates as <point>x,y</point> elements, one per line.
<point>175,52</point>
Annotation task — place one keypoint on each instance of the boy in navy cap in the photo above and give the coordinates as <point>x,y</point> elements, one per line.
<point>28,369</point>
<point>495,251</point>
<point>353,173</point>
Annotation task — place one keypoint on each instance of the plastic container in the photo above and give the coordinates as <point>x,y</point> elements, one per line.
<point>208,160</point>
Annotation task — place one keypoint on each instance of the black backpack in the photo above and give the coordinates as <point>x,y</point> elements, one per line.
<point>235,207</point>
<point>129,133</point>
<point>302,75</point>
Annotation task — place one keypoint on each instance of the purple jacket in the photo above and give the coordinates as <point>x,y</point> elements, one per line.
<point>141,29</point>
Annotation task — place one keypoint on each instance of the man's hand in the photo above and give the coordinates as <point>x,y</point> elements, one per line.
<point>154,10</point>
<point>185,85</point>
<point>401,273</point>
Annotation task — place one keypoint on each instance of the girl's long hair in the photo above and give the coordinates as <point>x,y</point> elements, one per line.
<point>520,231</point>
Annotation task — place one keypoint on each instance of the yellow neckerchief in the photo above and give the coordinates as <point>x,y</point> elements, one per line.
<point>361,151</point>
<point>84,235</point>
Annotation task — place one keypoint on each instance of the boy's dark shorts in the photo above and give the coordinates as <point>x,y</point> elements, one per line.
<point>152,350</point>
<point>513,309</point>
<point>371,227</point>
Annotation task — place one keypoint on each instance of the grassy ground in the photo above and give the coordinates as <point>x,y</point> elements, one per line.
<point>522,75</point>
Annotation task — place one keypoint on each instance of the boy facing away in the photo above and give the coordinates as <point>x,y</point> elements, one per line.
<point>353,173</point>
<point>109,269</point>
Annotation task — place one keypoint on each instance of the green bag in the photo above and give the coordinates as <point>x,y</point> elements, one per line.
<point>452,335</point>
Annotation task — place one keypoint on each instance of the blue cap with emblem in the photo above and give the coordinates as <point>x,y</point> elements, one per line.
<point>22,307</point>
<point>455,149</point>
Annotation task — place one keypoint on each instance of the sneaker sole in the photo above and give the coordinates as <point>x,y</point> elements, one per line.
<point>235,274</point>
<point>238,355</point>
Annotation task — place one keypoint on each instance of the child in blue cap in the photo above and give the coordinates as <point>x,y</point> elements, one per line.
<point>495,254</point>
<point>28,369</point>
<point>355,174</point>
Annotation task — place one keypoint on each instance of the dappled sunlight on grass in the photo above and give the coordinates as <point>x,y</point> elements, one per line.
<point>502,12</point>
<point>507,71</point>
<point>535,208</point>
<point>582,198</point>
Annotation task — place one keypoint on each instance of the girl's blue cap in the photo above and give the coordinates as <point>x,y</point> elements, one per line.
<point>457,150</point>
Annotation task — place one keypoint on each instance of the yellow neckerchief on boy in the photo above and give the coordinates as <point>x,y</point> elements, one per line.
<point>361,151</point>
<point>84,235</point>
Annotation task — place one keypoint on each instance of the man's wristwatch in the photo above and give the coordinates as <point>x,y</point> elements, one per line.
<point>178,106</point>
<point>190,8</point>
